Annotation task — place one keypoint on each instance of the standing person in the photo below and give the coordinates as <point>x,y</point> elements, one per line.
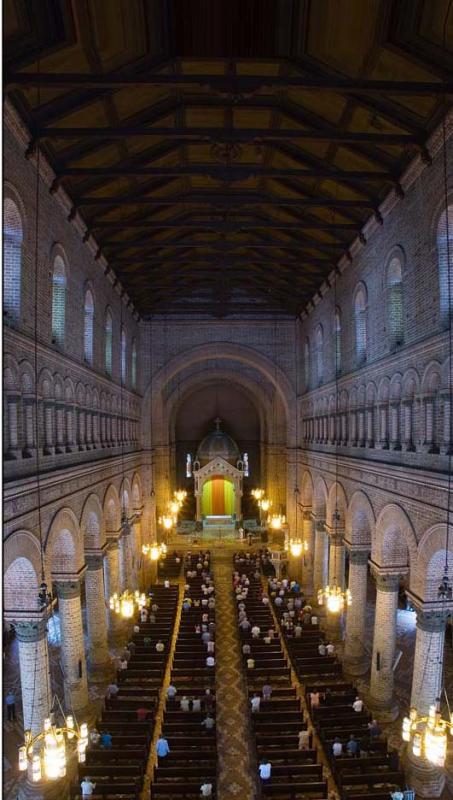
<point>208,722</point>
<point>255,703</point>
<point>352,746</point>
<point>337,747</point>
<point>106,740</point>
<point>304,740</point>
<point>10,706</point>
<point>162,749</point>
<point>358,705</point>
<point>87,786</point>
<point>206,788</point>
<point>267,690</point>
<point>265,769</point>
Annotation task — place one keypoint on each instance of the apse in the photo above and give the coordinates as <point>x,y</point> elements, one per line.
<point>195,419</point>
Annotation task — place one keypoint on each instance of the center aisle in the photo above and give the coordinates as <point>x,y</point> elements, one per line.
<point>237,764</point>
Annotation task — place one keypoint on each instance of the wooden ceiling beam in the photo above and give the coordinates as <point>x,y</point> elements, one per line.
<point>241,135</point>
<point>232,226</point>
<point>229,173</point>
<point>228,84</point>
<point>222,201</point>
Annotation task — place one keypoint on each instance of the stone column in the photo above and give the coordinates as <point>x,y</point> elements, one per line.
<point>447,444</point>
<point>395,442</point>
<point>29,427</point>
<point>336,559</point>
<point>88,429</point>
<point>70,445</point>
<point>49,448</point>
<point>429,444</point>
<point>370,426</point>
<point>321,556</point>
<point>95,606</point>
<point>308,527</point>
<point>424,777</point>
<point>381,698</point>
<point>13,452</point>
<point>198,509</point>
<point>428,660</point>
<point>72,644</point>
<point>126,577</point>
<point>353,427</point>
<point>362,438</point>
<point>59,414</point>
<point>112,568</point>
<point>34,672</point>
<point>407,427</point>
<point>354,656</point>
<point>383,443</point>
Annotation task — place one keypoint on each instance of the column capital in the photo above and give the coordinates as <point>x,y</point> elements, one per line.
<point>358,556</point>
<point>431,621</point>
<point>94,561</point>
<point>66,590</point>
<point>112,543</point>
<point>386,581</point>
<point>31,630</point>
<point>320,524</point>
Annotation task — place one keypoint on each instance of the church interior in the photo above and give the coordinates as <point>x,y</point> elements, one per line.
<point>228,399</point>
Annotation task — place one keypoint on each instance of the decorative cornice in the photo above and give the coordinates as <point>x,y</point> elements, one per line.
<point>431,621</point>
<point>67,590</point>
<point>358,557</point>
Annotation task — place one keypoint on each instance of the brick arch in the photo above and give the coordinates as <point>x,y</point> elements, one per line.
<point>336,496</point>
<point>395,543</point>
<point>431,379</point>
<point>27,377</point>
<point>254,392</point>
<point>64,546</point>
<point>126,496</point>
<point>360,520</point>
<point>430,564</point>
<point>11,381</point>
<point>152,407</point>
<point>137,493</point>
<point>112,509</point>
<point>320,495</point>
<point>45,384</point>
<point>92,523</point>
<point>22,571</point>
<point>307,491</point>
<point>411,384</point>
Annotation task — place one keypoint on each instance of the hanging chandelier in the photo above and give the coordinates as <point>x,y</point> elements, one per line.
<point>180,495</point>
<point>428,735</point>
<point>46,753</point>
<point>297,547</point>
<point>257,494</point>
<point>155,551</point>
<point>264,504</point>
<point>276,521</point>
<point>127,603</point>
<point>335,598</point>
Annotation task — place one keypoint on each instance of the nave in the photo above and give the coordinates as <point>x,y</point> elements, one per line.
<point>305,703</point>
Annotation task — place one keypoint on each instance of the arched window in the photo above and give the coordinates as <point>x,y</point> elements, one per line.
<point>394,288</point>
<point>88,319</point>
<point>134,365</point>
<point>444,251</point>
<point>12,259</point>
<point>360,324</point>
<point>58,301</point>
<point>123,355</point>
<point>337,340</point>
<point>108,342</point>
<point>307,363</point>
<point>319,353</point>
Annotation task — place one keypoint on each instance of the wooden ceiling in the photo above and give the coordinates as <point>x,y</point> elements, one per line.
<point>225,153</point>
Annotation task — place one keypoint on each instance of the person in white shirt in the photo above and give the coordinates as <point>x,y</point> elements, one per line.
<point>265,600</point>
<point>278,601</point>
<point>210,661</point>
<point>330,649</point>
<point>246,649</point>
<point>337,747</point>
<point>265,769</point>
<point>255,702</point>
<point>208,722</point>
<point>87,786</point>
<point>322,649</point>
<point>160,647</point>
<point>184,704</point>
<point>166,584</point>
<point>298,631</point>
<point>256,631</point>
<point>210,647</point>
<point>358,705</point>
<point>196,704</point>
<point>304,740</point>
<point>206,789</point>
<point>171,692</point>
<point>250,663</point>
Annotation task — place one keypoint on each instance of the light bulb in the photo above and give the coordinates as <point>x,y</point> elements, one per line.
<point>296,549</point>
<point>167,522</point>
<point>435,745</point>
<point>23,760</point>
<point>334,603</point>
<point>154,552</point>
<point>36,771</point>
